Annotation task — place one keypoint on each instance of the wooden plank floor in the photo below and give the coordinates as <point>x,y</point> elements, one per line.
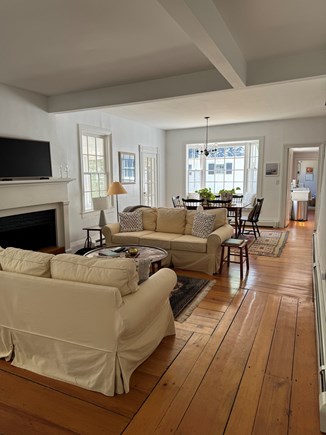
<point>243,363</point>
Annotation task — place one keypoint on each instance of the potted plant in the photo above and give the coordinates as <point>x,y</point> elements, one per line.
<point>205,193</point>
<point>226,194</point>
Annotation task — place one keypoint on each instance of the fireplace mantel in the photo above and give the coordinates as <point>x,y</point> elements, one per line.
<point>24,196</point>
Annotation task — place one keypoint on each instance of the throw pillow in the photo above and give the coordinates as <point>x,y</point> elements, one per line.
<point>203,225</point>
<point>131,221</point>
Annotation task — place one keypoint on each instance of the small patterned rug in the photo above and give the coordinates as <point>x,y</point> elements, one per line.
<point>187,294</point>
<point>269,244</point>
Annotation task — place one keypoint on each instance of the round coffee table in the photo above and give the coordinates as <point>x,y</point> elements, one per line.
<point>155,255</point>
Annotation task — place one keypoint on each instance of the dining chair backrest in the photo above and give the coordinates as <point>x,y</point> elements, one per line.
<point>176,201</point>
<point>255,212</point>
<point>212,203</point>
<point>237,198</point>
<point>192,204</point>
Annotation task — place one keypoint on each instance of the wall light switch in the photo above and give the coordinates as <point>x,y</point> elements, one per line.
<point>277,182</point>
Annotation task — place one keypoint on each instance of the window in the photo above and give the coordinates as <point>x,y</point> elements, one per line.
<point>95,152</point>
<point>234,164</point>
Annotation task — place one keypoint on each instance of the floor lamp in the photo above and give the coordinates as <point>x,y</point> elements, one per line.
<point>116,189</point>
<point>101,204</point>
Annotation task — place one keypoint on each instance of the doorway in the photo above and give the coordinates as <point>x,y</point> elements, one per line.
<point>303,167</point>
<point>148,176</point>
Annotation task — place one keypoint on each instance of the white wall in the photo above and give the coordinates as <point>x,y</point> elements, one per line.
<point>275,134</point>
<point>24,115</point>
<point>126,136</point>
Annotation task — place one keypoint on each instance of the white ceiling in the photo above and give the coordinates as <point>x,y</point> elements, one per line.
<point>169,63</point>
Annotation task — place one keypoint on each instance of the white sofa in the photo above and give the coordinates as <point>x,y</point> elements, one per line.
<point>172,229</point>
<point>85,321</point>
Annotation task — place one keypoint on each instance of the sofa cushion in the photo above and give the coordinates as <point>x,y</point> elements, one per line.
<point>129,238</point>
<point>113,272</point>
<point>25,261</point>
<point>189,243</point>
<point>131,221</point>
<point>160,240</point>
<point>149,218</point>
<point>171,220</point>
<point>1,249</point>
<point>203,225</point>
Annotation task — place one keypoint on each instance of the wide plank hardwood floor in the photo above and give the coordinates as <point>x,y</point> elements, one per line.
<point>243,363</point>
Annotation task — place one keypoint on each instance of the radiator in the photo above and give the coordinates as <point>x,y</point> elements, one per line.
<point>319,285</point>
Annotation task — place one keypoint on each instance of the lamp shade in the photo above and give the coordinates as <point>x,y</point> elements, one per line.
<point>116,188</point>
<point>101,203</point>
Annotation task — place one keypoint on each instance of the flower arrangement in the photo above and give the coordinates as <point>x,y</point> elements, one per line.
<point>226,194</point>
<point>205,193</point>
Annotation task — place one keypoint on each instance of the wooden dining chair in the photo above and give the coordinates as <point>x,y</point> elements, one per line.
<point>176,201</point>
<point>252,218</point>
<point>237,198</point>
<point>192,204</point>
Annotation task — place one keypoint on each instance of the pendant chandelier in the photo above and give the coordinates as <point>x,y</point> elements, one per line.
<point>207,151</point>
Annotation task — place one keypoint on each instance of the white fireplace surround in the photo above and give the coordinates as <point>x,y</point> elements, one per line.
<point>27,196</point>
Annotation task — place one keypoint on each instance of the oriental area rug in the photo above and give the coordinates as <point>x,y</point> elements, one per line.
<point>187,294</point>
<point>269,244</point>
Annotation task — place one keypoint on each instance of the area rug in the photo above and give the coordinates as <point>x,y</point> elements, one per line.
<point>187,294</point>
<point>269,244</point>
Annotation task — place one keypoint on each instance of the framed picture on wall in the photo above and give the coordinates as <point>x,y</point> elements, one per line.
<point>271,169</point>
<point>127,167</point>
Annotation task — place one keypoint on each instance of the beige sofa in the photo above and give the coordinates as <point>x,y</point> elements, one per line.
<point>172,229</point>
<point>85,321</point>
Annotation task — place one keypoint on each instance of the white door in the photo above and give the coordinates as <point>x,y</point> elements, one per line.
<point>148,176</point>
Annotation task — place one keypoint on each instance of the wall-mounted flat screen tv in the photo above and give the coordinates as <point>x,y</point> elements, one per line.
<point>24,158</point>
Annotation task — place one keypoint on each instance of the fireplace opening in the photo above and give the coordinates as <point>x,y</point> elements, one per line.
<point>34,231</point>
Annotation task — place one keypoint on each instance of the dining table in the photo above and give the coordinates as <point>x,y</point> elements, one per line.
<point>234,211</point>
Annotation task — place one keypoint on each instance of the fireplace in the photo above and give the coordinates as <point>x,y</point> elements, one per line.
<point>32,231</point>
<point>34,214</point>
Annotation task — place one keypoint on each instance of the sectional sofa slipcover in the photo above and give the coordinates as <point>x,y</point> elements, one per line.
<point>172,229</point>
<point>85,321</point>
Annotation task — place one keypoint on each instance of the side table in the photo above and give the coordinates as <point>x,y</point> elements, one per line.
<point>88,241</point>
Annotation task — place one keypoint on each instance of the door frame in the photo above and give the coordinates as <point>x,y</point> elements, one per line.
<point>154,152</point>
<point>285,187</point>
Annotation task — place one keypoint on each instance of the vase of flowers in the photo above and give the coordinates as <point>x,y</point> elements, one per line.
<point>226,194</point>
<point>205,193</point>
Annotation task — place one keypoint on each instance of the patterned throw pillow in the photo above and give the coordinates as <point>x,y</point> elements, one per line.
<point>131,221</point>
<point>203,224</point>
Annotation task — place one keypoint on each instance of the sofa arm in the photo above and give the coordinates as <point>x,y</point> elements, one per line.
<point>141,307</point>
<point>109,230</point>
<point>217,237</point>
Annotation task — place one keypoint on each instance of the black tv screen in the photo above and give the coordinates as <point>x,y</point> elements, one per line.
<point>24,158</point>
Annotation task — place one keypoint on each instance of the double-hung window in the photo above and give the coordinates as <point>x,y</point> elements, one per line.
<point>95,150</point>
<point>230,165</point>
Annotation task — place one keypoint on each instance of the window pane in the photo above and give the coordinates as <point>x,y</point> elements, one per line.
<point>94,168</point>
<point>91,145</point>
<point>100,146</point>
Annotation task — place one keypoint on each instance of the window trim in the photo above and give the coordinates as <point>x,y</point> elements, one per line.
<point>90,130</point>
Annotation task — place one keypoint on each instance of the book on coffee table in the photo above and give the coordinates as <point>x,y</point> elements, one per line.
<point>108,253</point>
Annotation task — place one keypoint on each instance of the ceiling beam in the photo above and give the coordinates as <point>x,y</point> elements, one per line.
<point>205,27</point>
<point>296,66</point>
<point>169,87</point>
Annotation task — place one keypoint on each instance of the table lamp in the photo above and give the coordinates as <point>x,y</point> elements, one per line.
<point>116,189</point>
<point>101,204</point>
